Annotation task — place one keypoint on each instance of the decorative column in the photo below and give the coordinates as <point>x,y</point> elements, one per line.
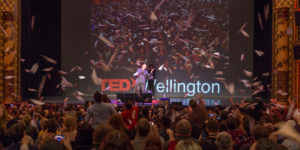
<point>10,50</point>
<point>280,79</point>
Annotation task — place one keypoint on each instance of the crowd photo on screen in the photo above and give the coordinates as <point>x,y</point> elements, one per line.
<point>183,39</point>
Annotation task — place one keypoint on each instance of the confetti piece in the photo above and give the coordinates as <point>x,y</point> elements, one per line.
<point>65,83</point>
<point>62,72</point>
<point>77,68</point>
<point>282,93</point>
<point>219,73</point>
<point>256,92</point>
<point>7,49</point>
<point>159,4</point>
<point>255,84</point>
<point>79,93</point>
<point>49,59</point>
<point>207,66</point>
<point>265,74</point>
<point>106,41</point>
<point>165,69</point>
<point>107,88</point>
<point>259,53</point>
<point>81,77</point>
<point>47,69</point>
<point>34,68</point>
<point>244,81</point>
<point>191,77</point>
<point>186,95</point>
<point>242,57</point>
<point>267,11</point>
<point>32,22</point>
<point>37,102</point>
<point>161,67</point>
<point>32,90</point>
<point>8,77</point>
<point>260,21</point>
<point>245,34</point>
<point>230,88</point>
<point>22,60</point>
<point>247,73</point>
<point>220,79</point>
<point>153,17</point>
<point>41,86</point>
<point>48,76</point>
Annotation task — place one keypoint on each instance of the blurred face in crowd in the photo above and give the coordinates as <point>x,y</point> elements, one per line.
<point>144,67</point>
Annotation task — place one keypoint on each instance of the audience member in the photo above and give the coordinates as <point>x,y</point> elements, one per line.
<point>198,117</point>
<point>99,112</point>
<point>187,144</point>
<point>116,140</point>
<point>130,114</point>
<point>224,141</point>
<point>100,132</point>
<point>142,130</point>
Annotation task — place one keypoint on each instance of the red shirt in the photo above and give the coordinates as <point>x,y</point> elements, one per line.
<point>127,117</point>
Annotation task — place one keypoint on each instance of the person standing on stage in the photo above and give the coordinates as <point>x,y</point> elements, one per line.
<point>151,79</point>
<point>141,74</point>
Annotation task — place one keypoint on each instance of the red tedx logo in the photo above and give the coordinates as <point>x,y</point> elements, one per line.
<point>118,85</point>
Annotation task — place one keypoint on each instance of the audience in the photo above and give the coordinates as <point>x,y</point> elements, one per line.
<point>18,139</point>
<point>236,127</point>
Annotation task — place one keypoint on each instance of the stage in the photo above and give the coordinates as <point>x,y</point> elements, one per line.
<point>209,101</point>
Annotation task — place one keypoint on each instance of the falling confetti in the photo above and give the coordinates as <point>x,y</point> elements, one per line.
<point>242,57</point>
<point>41,86</point>
<point>49,59</point>
<point>81,77</point>
<point>230,88</point>
<point>32,90</point>
<point>265,74</point>
<point>247,73</point>
<point>8,77</point>
<point>37,102</point>
<point>259,53</point>
<point>47,69</point>
<point>62,72</point>
<point>219,73</point>
<point>282,93</point>
<point>32,22</point>
<point>260,21</point>
<point>267,11</point>
<point>106,41</point>
<point>153,17</point>
<point>34,68</point>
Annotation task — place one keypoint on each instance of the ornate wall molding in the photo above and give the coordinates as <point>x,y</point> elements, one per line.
<point>282,48</point>
<point>10,46</point>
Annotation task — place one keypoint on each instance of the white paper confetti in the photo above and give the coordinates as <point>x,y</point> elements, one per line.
<point>259,53</point>
<point>49,59</point>
<point>247,73</point>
